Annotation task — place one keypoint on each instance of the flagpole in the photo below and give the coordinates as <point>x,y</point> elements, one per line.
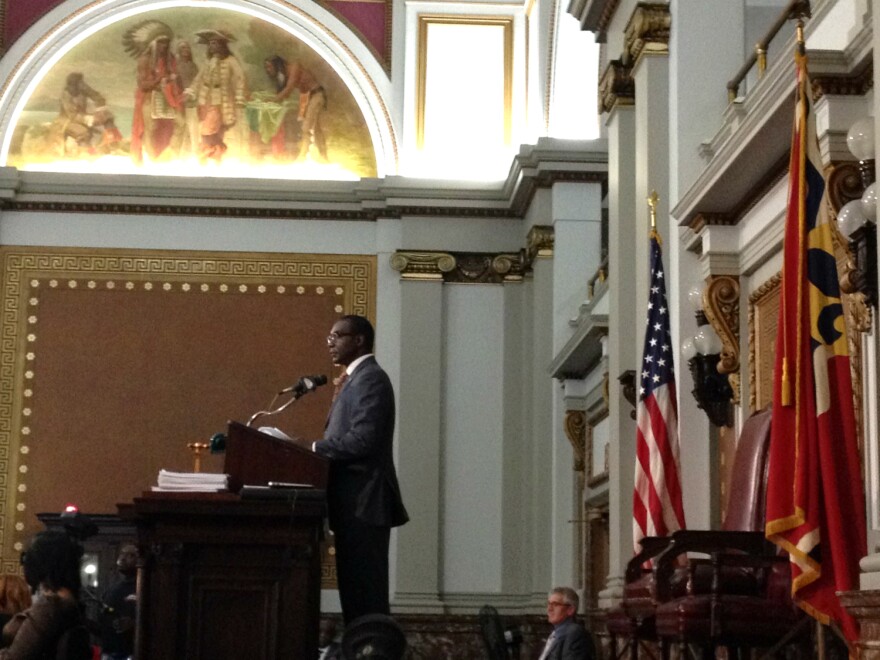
<point>657,500</point>
<point>653,199</point>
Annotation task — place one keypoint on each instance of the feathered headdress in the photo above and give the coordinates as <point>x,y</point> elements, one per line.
<point>137,40</point>
<point>204,36</point>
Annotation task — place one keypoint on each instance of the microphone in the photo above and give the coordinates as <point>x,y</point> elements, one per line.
<point>305,385</point>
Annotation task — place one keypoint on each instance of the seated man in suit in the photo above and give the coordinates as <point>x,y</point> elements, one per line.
<point>363,496</point>
<point>569,640</point>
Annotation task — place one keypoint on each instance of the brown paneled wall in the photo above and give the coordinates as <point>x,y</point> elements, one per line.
<point>112,361</point>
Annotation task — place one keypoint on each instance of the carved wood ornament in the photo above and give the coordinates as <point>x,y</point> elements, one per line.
<point>721,307</point>
<point>576,432</point>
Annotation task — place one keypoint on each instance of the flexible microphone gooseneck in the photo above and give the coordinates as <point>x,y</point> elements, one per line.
<point>302,387</point>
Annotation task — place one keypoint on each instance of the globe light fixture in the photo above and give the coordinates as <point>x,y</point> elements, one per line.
<point>712,390</point>
<point>856,219</point>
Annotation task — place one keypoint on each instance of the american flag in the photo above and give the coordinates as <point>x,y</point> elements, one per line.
<point>657,508</point>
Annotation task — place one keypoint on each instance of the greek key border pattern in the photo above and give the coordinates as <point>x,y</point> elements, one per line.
<point>25,271</point>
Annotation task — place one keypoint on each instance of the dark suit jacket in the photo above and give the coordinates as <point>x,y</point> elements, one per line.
<point>358,441</point>
<point>572,642</point>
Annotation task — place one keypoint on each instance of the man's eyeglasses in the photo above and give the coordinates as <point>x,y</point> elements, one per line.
<point>554,603</point>
<point>333,337</point>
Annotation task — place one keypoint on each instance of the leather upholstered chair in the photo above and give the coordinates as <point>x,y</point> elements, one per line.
<point>633,619</point>
<point>660,603</point>
<point>738,593</point>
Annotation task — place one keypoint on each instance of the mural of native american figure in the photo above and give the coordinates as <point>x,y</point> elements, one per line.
<point>193,91</point>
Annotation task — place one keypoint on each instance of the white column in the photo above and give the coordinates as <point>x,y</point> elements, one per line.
<point>547,560</point>
<point>419,408</point>
<point>577,220</point>
<point>621,340</point>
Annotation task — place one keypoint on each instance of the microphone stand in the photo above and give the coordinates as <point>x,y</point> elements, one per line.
<point>271,411</point>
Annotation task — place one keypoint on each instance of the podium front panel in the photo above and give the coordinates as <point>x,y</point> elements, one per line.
<point>223,579</point>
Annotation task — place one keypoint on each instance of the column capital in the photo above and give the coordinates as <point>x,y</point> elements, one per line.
<point>540,242</point>
<point>475,267</point>
<point>647,31</point>
<point>459,267</point>
<point>616,86</point>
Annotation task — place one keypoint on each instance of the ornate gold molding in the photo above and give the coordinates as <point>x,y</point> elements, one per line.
<point>647,31</point>
<point>616,86</point>
<point>422,265</point>
<point>857,83</point>
<point>721,307</point>
<point>425,22</point>
<point>459,267</point>
<point>576,432</point>
<point>475,267</point>
<point>539,243</point>
<point>763,317</point>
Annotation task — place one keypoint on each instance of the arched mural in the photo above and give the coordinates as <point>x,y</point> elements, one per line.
<point>193,91</point>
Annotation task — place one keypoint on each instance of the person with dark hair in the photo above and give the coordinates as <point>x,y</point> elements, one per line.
<point>53,627</point>
<point>288,77</point>
<point>120,607</point>
<point>220,91</point>
<point>158,122</point>
<point>363,495</point>
<point>84,115</point>
<point>188,70</point>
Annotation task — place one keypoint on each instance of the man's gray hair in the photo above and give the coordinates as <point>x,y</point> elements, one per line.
<point>568,594</point>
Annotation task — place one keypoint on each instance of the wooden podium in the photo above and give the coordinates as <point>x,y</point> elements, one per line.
<point>222,577</point>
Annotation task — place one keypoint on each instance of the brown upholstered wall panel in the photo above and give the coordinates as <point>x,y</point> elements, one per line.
<point>111,362</point>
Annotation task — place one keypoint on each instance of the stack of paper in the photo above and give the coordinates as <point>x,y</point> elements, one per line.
<point>191,482</point>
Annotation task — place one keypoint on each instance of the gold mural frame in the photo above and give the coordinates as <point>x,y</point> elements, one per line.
<point>424,22</point>
<point>24,269</point>
<point>595,479</point>
<point>763,322</point>
<point>375,100</point>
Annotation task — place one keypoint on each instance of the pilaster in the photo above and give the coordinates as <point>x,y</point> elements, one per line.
<point>419,453</point>
<point>622,341</point>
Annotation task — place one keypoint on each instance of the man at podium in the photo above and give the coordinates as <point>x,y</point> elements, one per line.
<point>363,494</point>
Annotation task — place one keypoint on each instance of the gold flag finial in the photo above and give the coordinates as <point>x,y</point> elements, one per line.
<point>652,204</point>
